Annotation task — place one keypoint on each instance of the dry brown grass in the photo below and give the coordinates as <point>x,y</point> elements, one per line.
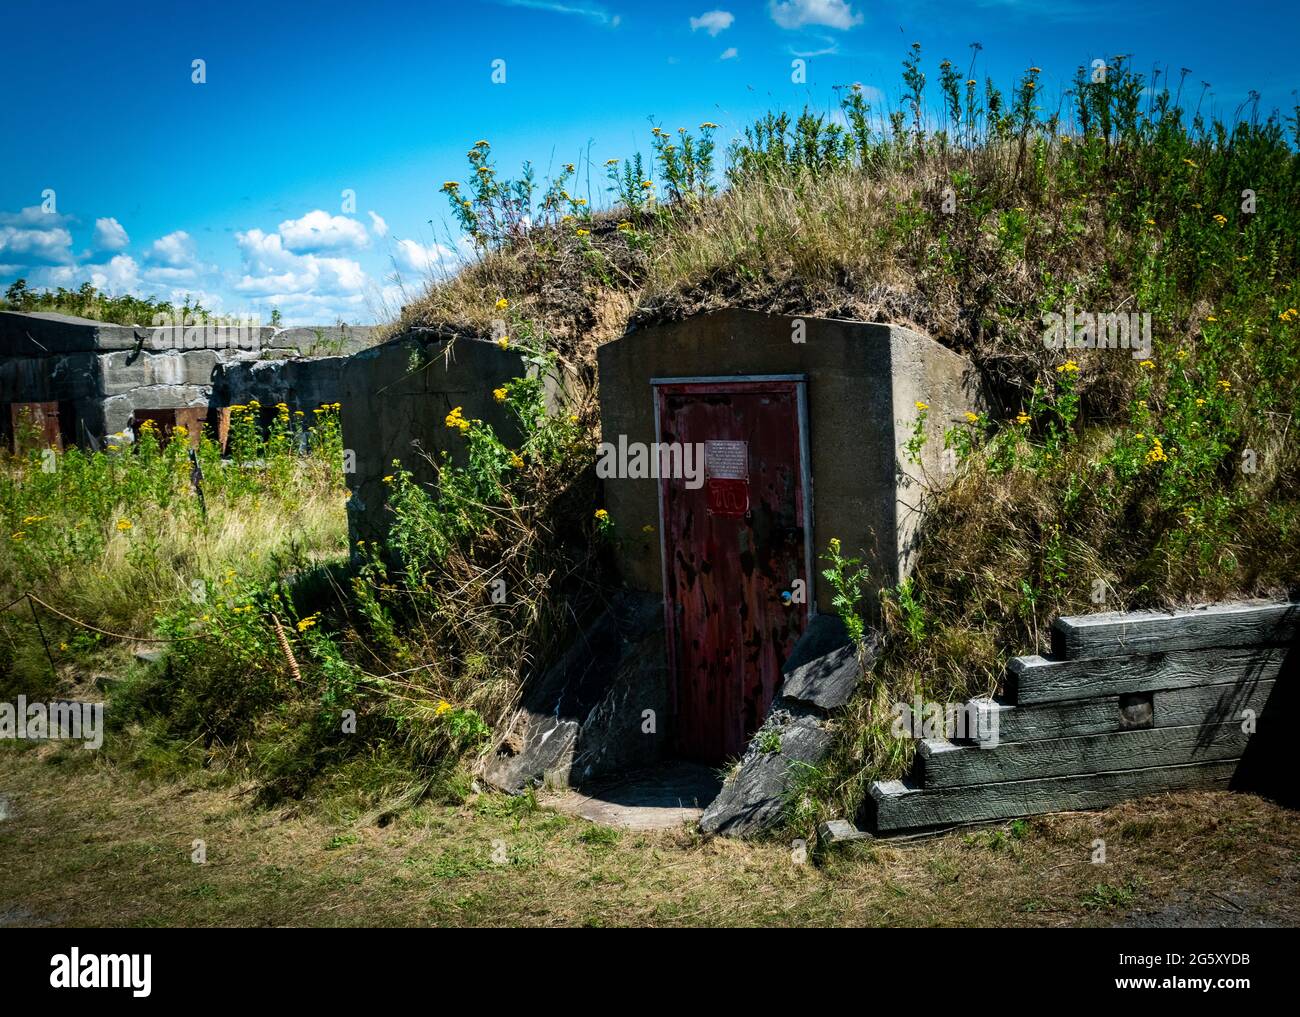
<point>87,845</point>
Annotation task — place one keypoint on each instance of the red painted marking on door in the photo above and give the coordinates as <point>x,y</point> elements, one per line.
<point>731,548</point>
<point>728,497</point>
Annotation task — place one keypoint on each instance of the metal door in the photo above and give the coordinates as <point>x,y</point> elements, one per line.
<point>736,552</point>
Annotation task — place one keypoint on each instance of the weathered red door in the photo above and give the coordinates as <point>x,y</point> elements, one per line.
<point>736,569</point>
<point>38,422</point>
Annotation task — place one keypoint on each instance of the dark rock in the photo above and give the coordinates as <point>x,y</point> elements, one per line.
<point>840,831</point>
<point>824,667</point>
<point>584,717</point>
<point>753,799</point>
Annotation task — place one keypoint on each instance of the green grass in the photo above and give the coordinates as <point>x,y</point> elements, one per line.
<point>98,846</point>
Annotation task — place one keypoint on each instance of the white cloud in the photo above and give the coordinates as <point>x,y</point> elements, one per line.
<point>798,13</point>
<point>175,250</point>
<point>286,278</point>
<point>120,275</point>
<point>109,235</point>
<point>432,260</point>
<point>713,22</point>
<point>319,231</point>
<point>730,53</point>
<point>378,225</point>
<point>33,237</point>
<point>170,276</point>
<point>593,12</point>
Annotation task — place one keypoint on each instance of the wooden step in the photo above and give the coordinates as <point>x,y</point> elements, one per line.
<point>1109,634</point>
<point>1200,704</point>
<point>1039,680</point>
<point>943,764</point>
<point>895,806</point>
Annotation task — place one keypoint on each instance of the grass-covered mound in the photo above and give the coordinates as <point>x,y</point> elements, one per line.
<point>1096,478</point>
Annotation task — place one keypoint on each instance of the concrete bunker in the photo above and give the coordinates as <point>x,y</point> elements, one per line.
<point>75,381</point>
<point>736,445</point>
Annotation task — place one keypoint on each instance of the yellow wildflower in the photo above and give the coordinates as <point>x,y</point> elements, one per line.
<point>504,342</point>
<point>1222,220</point>
<point>1148,365</point>
<point>123,525</point>
<point>502,303</point>
<point>625,226</point>
<point>499,394</point>
<point>647,528</point>
<point>389,479</point>
<point>308,622</point>
<point>442,708</point>
<point>601,515</point>
<point>1225,384</point>
<point>1023,418</point>
<point>454,419</point>
<point>584,233</point>
<point>516,461</point>
<point>972,418</point>
<point>922,407</point>
<point>1069,367</point>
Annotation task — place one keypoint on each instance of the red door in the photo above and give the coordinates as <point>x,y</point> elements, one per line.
<point>38,422</point>
<point>736,571</point>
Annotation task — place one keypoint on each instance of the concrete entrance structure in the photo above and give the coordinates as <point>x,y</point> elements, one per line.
<point>863,382</point>
<point>856,389</point>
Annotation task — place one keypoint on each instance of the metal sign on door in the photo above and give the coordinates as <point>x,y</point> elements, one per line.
<point>726,478</point>
<point>731,550</point>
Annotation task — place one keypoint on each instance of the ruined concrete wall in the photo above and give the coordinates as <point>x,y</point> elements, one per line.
<point>395,398</point>
<point>862,383</point>
<point>109,372</point>
<point>302,384</point>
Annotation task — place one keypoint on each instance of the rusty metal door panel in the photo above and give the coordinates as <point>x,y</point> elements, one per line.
<point>39,420</point>
<point>732,547</point>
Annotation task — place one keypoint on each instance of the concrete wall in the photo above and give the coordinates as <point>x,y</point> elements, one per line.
<point>394,400</point>
<point>863,381</point>
<point>302,384</point>
<point>108,372</point>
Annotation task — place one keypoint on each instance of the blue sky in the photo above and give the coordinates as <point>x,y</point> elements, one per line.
<point>231,190</point>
